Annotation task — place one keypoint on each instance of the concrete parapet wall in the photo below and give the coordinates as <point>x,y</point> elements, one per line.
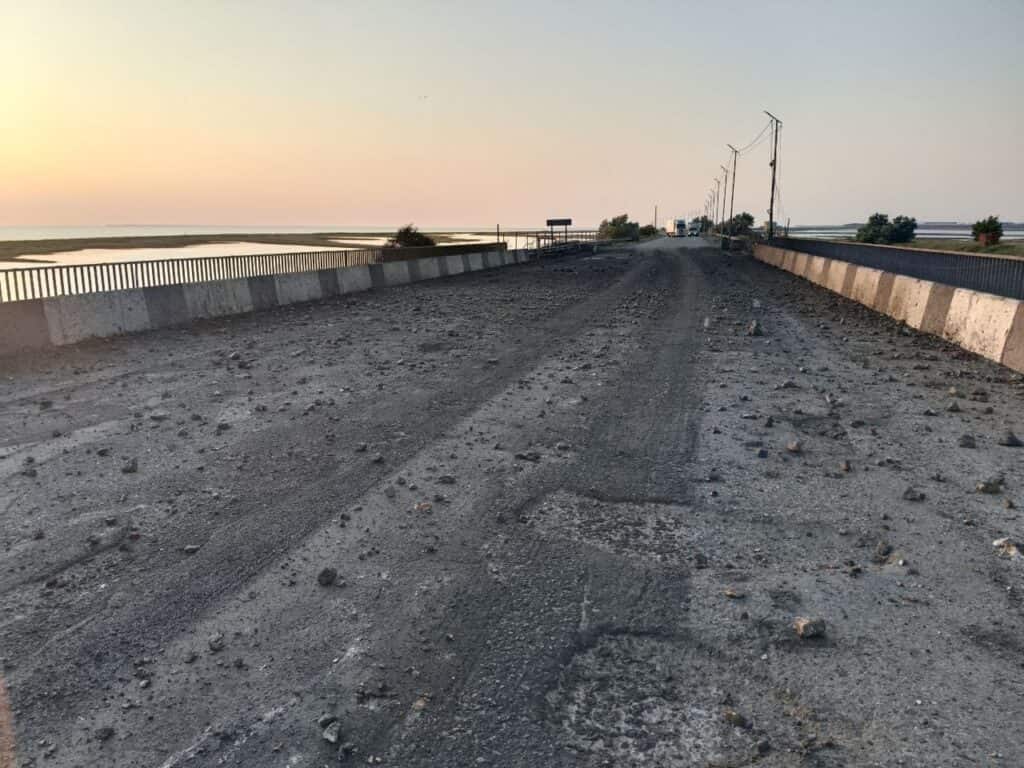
<point>988,325</point>
<point>298,287</point>
<point>74,318</point>
<point>68,319</point>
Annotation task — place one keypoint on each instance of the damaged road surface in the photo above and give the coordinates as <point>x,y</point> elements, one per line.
<point>579,513</point>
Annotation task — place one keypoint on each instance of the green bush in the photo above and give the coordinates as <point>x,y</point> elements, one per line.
<point>991,227</point>
<point>739,224</point>
<point>410,237</point>
<point>884,232</point>
<point>619,228</point>
<point>649,230</point>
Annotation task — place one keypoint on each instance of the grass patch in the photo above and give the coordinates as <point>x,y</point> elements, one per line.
<point>1005,248</point>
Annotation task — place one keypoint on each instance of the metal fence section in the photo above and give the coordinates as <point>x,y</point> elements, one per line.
<point>71,279</point>
<point>1002,276</point>
<point>541,239</point>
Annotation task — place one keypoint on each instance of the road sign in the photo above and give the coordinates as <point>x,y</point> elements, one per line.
<point>559,222</point>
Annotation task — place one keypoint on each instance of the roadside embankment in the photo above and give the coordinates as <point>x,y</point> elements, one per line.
<point>988,325</point>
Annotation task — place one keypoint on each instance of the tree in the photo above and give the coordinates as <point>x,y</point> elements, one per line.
<point>649,230</point>
<point>619,228</point>
<point>410,237</point>
<point>880,230</point>
<point>988,231</point>
<point>703,223</point>
<point>739,224</point>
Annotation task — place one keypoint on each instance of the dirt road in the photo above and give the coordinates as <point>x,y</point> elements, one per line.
<point>552,515</point>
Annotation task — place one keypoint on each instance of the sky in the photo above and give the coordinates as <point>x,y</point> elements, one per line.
<point>483,113</point>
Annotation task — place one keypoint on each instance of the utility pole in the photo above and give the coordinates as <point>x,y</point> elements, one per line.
<point>718,186</point>
<point>776,124</point>
<point>732,199</point>
<point>725,194</point>
<point>655,217</point>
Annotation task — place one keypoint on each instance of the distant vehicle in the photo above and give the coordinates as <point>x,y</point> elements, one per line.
<point>694,230</point>
<point>676,228</point>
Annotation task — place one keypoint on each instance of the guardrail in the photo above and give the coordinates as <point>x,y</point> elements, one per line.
<point>540,239</point>
<point>26,283</point>
<point>978,272</point>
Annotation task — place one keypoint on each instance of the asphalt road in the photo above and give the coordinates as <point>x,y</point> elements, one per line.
<point>561,514</point>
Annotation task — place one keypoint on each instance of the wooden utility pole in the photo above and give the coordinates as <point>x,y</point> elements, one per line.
<point>776,124</point>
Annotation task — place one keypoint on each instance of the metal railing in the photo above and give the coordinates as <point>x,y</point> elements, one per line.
<point>1002,276</point>
<point>26,283</point>
<point>539,239</point>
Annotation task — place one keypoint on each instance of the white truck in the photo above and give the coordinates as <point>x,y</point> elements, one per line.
<point>676,228</point>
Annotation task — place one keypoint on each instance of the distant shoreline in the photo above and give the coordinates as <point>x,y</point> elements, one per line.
<point>17,250</point>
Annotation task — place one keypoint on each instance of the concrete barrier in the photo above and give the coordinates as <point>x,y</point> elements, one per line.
<point>980,322</point>
<point>298,287</point>
<point>354,279</point>
<point>23,326</point>
<point>396,273</point>
<point>216,298</point>
<point>68,319</point>
<point>74,318</point>
<point>988,325</point>
<point>456,265</point>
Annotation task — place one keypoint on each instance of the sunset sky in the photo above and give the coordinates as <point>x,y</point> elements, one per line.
<point>477,113</point>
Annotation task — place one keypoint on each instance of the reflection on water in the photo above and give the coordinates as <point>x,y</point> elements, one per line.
<point>111,255</point>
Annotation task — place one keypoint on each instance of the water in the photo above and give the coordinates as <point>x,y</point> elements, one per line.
<point>112,255</point>
<point>64,233</point>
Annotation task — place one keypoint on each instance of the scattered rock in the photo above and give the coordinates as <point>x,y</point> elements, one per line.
<point>967,441</point>
<point>912,494</point>
<point>105,733</point>
<point>215,642</point>
<point>528,456</point>
<point>953,407</point>
<point>327,577</point>
<point>190,549</point>
<point>446,480</point>
<point>732,717</point>
<point>1010,440</point>
<point>807,628</point>
<point>882,551</point>
<point>332,732</point>
<point>361,447</point>
<point>755,329</point>
<point>1007,547</point>
<point>131,466</point>
<point>795,446</point>
<point>845,466</point>
<point>378,458</point>
<point>991,485</point>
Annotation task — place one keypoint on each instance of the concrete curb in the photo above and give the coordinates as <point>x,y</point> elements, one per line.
<point>988,325</point>
<point>53,322</point>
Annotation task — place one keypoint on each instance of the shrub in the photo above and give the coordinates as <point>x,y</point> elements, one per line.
<point>618,228</point>
<point>739,224</point>
<point>991,228</point>
<point>880,230</point>
<point>649,230</point>
<point>410,237</point>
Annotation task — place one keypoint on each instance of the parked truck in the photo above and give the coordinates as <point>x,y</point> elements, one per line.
<point>676,228</point>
